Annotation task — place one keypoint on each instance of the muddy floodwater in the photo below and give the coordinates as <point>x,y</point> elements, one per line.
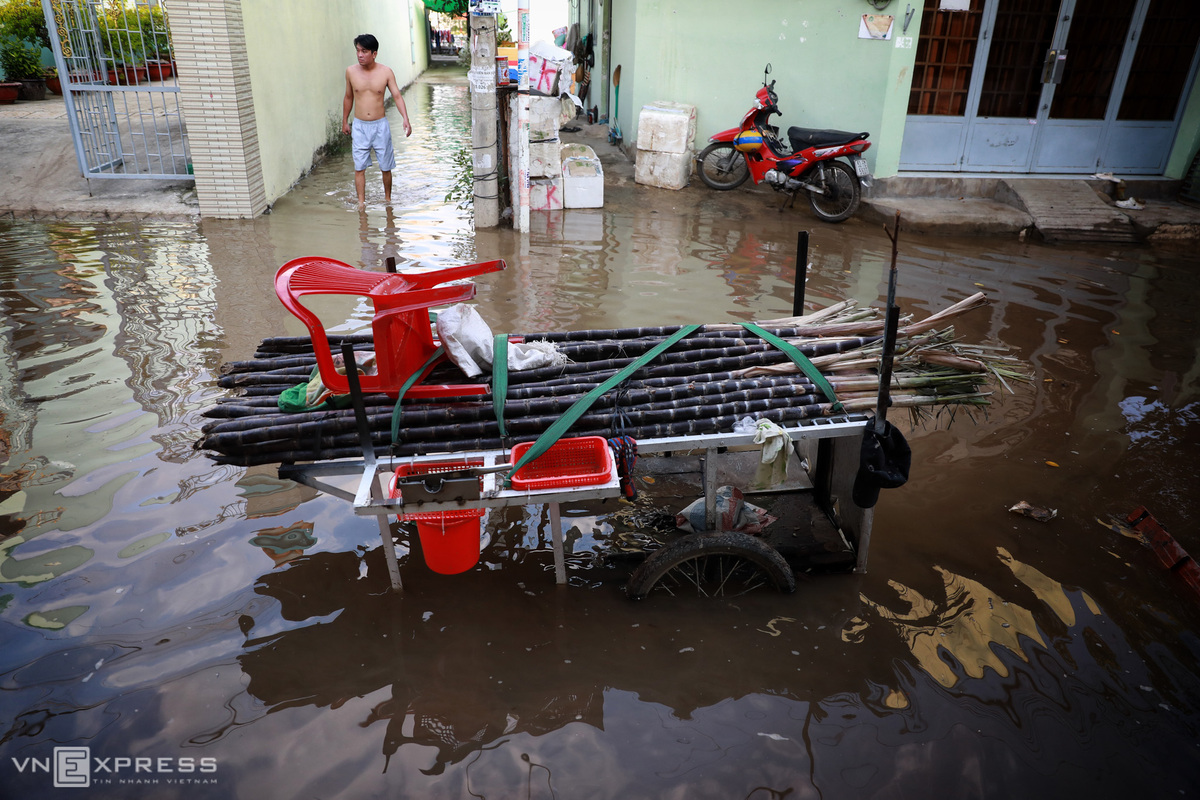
<point>207,631</point>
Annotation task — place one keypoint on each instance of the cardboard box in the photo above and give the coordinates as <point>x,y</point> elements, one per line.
<point>664,170</point>
<point>666,127</point>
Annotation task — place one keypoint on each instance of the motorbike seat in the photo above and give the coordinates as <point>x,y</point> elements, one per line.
<point>804,138</point>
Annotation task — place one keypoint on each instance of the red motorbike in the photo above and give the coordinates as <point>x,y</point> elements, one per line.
<point>810,163</point>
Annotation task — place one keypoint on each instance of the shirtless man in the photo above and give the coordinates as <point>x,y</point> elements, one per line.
<point>365,84</point>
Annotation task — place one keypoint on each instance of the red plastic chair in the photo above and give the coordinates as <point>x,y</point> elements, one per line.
<point>403,336</point>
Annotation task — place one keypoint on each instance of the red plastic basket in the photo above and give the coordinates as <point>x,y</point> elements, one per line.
<point>580,461</point>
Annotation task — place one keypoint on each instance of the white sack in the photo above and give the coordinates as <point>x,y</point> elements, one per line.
<point>469,343</point>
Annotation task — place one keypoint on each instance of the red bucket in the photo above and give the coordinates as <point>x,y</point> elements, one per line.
<point>449,539</point>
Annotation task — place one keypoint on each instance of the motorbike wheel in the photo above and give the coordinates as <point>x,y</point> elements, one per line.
<point>722,167</point>
<point>840,195</point>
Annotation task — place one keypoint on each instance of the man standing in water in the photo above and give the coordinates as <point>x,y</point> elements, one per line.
<point>365,84</point>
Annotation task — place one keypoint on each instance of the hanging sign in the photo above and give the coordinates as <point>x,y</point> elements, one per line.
<point>485,8</point>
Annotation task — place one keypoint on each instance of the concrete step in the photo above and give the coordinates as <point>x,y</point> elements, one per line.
<point>1071,211</point>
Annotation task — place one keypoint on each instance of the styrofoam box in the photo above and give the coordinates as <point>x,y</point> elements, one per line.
<point>544,160</point>
<point>666,127</point>
<point>545,194</point>
<point>583,182</point>
<point>664,170</point>
<point>577,150</point>
<point>543,118</point>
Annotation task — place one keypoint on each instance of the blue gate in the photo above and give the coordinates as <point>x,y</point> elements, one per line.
<point>118,79</point>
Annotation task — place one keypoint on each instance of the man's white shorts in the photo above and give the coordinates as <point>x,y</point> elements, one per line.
<point>373,135</point>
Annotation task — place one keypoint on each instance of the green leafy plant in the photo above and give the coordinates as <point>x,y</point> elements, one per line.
<point>503,34</point>
<point>21,60</point>
<point>463,191</point>
<point>23,20</point>
<point>156,34</point>
<point>122,43</point>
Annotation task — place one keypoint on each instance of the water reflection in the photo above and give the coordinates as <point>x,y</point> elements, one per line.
<point>961,636</point>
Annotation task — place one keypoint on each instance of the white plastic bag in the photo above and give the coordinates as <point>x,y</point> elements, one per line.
<point>469,343</point>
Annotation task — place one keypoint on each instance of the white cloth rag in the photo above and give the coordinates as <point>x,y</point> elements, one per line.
<point>776,447</point>
<point>469,343</point>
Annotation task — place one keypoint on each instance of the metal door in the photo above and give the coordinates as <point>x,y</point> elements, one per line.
<point>118,79</point>
<point>1025,86</point>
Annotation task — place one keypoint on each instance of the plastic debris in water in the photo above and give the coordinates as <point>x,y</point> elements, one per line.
<point>1033,512</point>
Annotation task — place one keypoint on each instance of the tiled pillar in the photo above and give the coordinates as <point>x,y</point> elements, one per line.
<point>218,107</point>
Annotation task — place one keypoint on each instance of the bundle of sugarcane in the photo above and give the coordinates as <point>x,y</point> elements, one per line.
<point>704,383</point>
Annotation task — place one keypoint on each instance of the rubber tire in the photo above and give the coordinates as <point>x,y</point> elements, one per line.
<point>727,543</point>
<point>844,180</point>
<point>715,180</point>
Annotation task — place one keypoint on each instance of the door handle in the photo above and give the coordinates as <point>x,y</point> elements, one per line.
<point>1052,70</point>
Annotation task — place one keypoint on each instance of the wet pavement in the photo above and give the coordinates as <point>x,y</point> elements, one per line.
<point>237,629</point>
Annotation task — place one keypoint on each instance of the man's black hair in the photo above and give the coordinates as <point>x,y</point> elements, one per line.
<point>367,42</point>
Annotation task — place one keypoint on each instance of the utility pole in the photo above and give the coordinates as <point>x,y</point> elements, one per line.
<point>485,120</point>
<point>521,215</point>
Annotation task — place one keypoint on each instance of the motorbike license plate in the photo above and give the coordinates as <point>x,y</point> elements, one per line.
<point>860,168</point>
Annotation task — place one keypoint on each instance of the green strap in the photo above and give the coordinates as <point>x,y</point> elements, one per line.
<point>500,378</point>
<point>416,376</point>
<point>800,360</point>
<point>563,423</point>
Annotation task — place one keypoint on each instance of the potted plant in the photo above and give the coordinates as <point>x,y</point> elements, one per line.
<point>9,91</point>
<point>23,36</point>
<point>52,81</point>
<point>123,49</point>
<point>156,36</point>
<point>22,62</point>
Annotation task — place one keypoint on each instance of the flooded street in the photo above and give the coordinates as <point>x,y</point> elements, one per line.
<point>237,634</point>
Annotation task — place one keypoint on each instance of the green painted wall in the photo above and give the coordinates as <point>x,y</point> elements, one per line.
<point>298,51</point>
<point>711,54</point>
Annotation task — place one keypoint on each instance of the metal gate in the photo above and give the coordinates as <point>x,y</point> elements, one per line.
<point>118,79</point>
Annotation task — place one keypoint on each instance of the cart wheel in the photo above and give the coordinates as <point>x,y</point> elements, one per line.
<point>723,564</point>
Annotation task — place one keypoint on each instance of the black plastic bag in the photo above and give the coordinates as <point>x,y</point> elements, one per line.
<point>883,463</point>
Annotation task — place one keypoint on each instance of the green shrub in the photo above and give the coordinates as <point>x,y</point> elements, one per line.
<point>21,60</point>
<point>121,40</point>
<point>152,24</point>
<point>23,20</point>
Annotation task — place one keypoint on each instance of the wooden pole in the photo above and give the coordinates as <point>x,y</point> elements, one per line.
<point>801,274</point>
<point>889,336</point>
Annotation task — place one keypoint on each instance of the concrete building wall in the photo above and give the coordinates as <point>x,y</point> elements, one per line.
<point>214,84</point>
<point>710,54</point>
<point>298,53</point>
<point>262,83</point>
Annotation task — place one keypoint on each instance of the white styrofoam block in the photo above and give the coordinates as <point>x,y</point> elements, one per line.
<point>664,170</point>
<point>583,182</point>
<point>545,194</point>
<point>576,150</point>
<point>544,118</point>
<point>666,127</point>
<point>543,75</point>
<point>544,160</point>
